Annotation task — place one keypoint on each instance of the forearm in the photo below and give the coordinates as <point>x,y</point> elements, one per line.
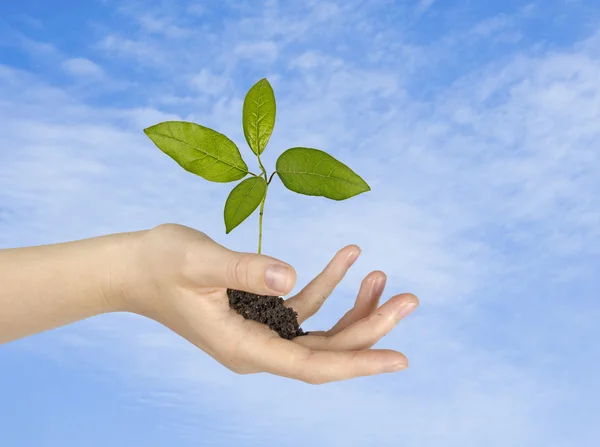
<point>49,286</point>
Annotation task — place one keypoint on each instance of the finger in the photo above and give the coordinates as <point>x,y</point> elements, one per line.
<point>312,297</point>
<point>260,274</point>
<point>367,332</point>
<point>367,301</point>
<point>287,359</point>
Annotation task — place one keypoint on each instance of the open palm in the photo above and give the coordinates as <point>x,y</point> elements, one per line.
<point>195,305</point>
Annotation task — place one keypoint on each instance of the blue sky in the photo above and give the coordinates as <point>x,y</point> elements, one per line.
<point>476,125</point>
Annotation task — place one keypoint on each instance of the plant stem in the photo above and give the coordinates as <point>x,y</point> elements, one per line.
<point>262,168</point>
<point>260,222</point>
<point>262,207</point>
<point>271,178</point>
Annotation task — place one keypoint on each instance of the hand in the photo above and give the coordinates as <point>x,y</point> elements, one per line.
<point>181,280</point>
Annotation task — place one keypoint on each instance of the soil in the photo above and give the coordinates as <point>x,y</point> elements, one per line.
<point>268,310</point>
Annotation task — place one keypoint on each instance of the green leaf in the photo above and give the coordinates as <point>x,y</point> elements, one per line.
<point>316,173</point>
<point>258,116</point>
<point>243,200</point>
<point>199,150</point>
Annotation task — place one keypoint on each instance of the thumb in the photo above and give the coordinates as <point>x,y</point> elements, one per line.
<point>251,272</point>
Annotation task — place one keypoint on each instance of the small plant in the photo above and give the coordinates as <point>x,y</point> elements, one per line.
<point>214,157</point>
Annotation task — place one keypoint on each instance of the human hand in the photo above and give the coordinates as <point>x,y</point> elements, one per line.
<point>180,280</point>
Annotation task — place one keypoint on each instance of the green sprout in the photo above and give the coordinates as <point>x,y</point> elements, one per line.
<point>214,157</point>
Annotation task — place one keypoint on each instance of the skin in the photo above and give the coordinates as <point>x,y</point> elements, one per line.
<point>178,276</point>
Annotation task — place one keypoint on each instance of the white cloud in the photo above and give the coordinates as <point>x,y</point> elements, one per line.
<point>264,50</point>
<point>206,82</point>
<point>29,21</point>
<point>36,48</point>
<point>424,5</point>
<point>141,51</point>
<point>490,182</point>
<point>162,26</point>
<point>492,25</point>
<point>83,67</point>
<point>158,20</point>
<point>310,60</point>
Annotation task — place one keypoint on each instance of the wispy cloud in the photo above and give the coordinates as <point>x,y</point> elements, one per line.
<point>83,67</point>
<point>265,51</point>
<point>208,83</point>
<point>484,203</point>
<point>424,5</point>
<point>131,49</point>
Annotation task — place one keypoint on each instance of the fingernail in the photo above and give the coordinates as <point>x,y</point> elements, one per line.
<point>395,367</point>
<point>277,277</point>
<point>353,256</point>
<point>406,309</point>
<point>378,286</point>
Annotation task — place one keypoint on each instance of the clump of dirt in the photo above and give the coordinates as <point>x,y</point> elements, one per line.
<point>268,310</point>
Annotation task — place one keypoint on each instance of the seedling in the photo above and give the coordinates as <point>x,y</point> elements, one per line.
<point>214,157</point>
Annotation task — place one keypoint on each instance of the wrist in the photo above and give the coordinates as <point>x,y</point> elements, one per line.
<point>122,277</point>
